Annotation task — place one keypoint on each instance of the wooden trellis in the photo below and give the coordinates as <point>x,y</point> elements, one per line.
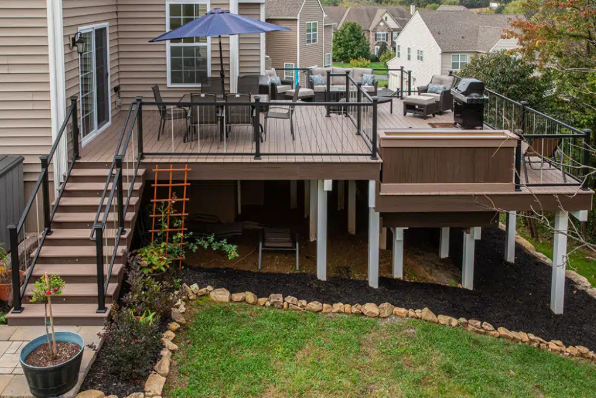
<point>171,212</point>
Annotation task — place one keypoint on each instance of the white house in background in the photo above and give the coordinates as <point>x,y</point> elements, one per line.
<point>435,42</point>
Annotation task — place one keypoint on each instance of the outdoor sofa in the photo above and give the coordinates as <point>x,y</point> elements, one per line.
<point>338,82</point>
<point>277,86</point>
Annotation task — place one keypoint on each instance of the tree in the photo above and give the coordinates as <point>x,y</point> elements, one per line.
<point>515,7</point>
<point>382,49</point>
<point>350,43</point>
<point>387,56</point>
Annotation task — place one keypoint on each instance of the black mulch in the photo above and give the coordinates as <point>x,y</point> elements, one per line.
<point>516,297</point>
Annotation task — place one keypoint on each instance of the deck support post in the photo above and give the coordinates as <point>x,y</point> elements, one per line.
<point>444,243</point>
<point>293,194</point>
<point>321,231</point>
<point>341,195</point>
<point>398,252</point>
<point>510,224</point>
<point>312,221</point>
<point>352,207</point>
<point>471,235</point>
<point>239,196</point>
<point>373,237</point>
<point>382,235</point>
<point>557,292</point>
<point>306,198</point>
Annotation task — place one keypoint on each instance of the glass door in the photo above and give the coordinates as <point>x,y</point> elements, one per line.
<point>94,84</point>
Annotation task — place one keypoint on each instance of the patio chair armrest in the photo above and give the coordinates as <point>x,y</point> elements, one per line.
<point>287,82</point>
<point>446,96</point>
<point>422,89</point>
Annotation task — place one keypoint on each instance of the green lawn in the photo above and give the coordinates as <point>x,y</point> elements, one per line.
<point>236,350</point>
<point>374,65</point>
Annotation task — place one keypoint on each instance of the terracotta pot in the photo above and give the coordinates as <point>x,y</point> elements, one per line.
<point>6,289</point>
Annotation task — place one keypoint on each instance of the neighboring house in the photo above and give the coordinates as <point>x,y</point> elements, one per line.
<point>308,43</point>
<point>380,24</point>
<point>435,42</point>
<point>448,7</point>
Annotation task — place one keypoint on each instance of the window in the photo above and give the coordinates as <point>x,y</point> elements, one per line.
<point>398,51</point>
<point>458,61</point>
<point>327,59</point>
<point>288,74</point>
<point>381,36</point>
<point>394,35</point>
<point>312,32</point>
<point>189,60</point>
<point>409,53</point>
<point>420,55</point>
<point>376,50</point>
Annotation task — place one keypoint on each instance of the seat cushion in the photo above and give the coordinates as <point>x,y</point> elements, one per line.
<point>320,89</point>
<point>441,80</point>
<point>320,71</point>
<point>304,92</point>
<point>368,88</point>
<point>419,100</point>
<point>175,113</point>
<point>278,113</point>
<point>283,88</point>
<point>358,73</point>
<point>436,97</point>
<point>339,79</point>
<point>270,73</point>
<point>275,80</point>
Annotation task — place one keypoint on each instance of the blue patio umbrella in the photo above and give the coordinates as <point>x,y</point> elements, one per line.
<point>218,22</point>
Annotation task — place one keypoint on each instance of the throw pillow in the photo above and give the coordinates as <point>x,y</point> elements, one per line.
<point>368,79</point>
<point>317,80</point>
<point>435,89</point>
<point>276,80</point>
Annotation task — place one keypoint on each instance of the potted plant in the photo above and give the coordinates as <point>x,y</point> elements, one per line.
<point>6,276</point>
<point>51,362</point>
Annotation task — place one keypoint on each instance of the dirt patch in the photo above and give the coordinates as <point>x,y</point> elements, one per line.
<point>516,297</point>
<point>41,356</point>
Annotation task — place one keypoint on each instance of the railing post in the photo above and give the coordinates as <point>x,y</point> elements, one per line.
<point>518,149</point>
<point>374,128</point>
<point>409,82</point>
<point>45,191</point>
<point>15,269</point>
<point>101,299</point>
<point>401,82</point>
<point>328,114</point>
<point>257,125</point>
<point>359,109</point>
<point>140,126</point>
<point>587,142</point>
<point>119,192</point>
<point>347,92</point>
<point>75,129</point>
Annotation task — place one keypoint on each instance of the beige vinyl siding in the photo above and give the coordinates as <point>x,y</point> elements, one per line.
<point>77,14</point>
<point>281,46</point>
<point>328,39</point>
<point>25,125</point>
<point>446,61</point>
<point>250,45</point>
<point>143,64</point>
<point>311,54</point>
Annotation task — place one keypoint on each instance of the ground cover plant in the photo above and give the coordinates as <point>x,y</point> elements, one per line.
<point>237,350</point>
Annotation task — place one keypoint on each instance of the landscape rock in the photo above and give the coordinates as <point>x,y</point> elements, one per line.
<point>195,288</point>
<point>163,366</point>
<point>250,298</point>
<point>154,385</point>
<point>112,396</point>
<point>168,335</point>
<point>177,317</point>
<point>220,295</point>
<point>91,394</point>
<point>580,281</point>
<point>286,305</point>
<point>179,303</point>
<point>385,310</point>
<point>356,309</point>
<point>447,320</point>
<point>504,333</point>
<point>400,312</point>
<point>487,326</point>
<point>302,303</point>
<point>572,351</point>
<point>314,306</point>
<point>516,336</point>
<point>276,300</point>
<point>558,342</point>
<point>524,337</point>
<point>261,301</point>
<point>293,307</point>
<point>412,314</point>
<point>136,395</point>
<point>182,309</point>
<point>337,307</point>
<point>238,297</point>
<point>370,310</point>
<point>475,323</point>
<point>291,300</point>
<point>267,303</point>
<point>165,353</point>
<point>543,346</point>
<point>187,292</point>
<point>463,322</point>
<point>418,313</point>
<point>583,351</point>
<point>493,333</point>
<point>209,289</point>
<point>428,315</point>
<point>169,345</point>
<point>524,243</point>
<point>173,326</point>
<point>327,308</point>
<point>553,347</point>
<point>347,309</point>
<point>202,292</point>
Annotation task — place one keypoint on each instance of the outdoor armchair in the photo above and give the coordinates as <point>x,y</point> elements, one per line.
<point>204,115</point>
<point>277,85</point>
<point>444,98</point>
<point>283,112</point>
<point>168,113</point>
<point>238,115</point>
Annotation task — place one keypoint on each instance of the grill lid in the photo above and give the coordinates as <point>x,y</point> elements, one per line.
<point>469,86</point>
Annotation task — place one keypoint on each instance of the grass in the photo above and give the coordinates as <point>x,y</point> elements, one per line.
<point>374,65</point>
<point>243,351</point>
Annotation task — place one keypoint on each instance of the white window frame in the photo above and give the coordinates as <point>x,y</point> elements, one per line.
<point>459,60</point>
<point>377,50</point>
<point>327,60</point>
<point>314,36</point>
<point>409,53</point>
<point>289,74</point>
<point>398,50</point>
<point>420,55</point>
<point>168,44</point>
<point>384,34</point>
<point>394,36</point>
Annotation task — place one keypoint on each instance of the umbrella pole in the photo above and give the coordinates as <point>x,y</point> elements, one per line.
<point>221,72</point>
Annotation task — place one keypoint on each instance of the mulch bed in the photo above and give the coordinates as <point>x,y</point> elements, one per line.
<point>516,297</point>
<point>41,356</point>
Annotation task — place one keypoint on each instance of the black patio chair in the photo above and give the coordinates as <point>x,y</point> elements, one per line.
<point>238,115</point>
<point>212,85</point>
<point>204,115</point>
<point>248,84</point>
<point>167,114</point>
<point>283,112</point>
<point>279,239</point>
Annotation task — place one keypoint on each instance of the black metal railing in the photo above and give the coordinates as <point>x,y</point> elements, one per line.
<point>109,223</point>
<point>549,152</point>
<point>48,210</point>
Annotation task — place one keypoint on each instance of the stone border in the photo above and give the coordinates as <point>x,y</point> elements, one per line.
<point>580,281</point>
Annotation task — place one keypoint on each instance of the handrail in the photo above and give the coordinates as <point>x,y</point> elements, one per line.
<point>18,291</point>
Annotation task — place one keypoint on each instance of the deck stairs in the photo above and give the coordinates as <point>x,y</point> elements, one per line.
<point>70,253</point>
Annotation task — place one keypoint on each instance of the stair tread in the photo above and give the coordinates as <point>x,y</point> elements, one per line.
<point>81,172</point>
<point>77,269</point>
<point>62,311</point>
<point>76,290</point>
<point>71,251</point>
<point>84,217</point>
<point>75,233</point>
<point>96,186</point>
<point>90,201</point>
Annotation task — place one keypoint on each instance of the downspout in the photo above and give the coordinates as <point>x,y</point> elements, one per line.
<point>234,55</point>
<point>263,51</point>
<point>57,85</point>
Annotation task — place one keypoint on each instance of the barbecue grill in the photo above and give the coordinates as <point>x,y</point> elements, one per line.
<point>468,101</point>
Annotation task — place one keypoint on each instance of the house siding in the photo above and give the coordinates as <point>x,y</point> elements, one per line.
<point>250,45</point>
<point>328,40</point>
<point>25,124</point>
<point>446,60</point>
<point>311,54</point>
<point>281,46</point>
<point>417,36</point>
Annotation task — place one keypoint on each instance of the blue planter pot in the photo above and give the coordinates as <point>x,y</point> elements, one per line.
<point>55,380</point>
